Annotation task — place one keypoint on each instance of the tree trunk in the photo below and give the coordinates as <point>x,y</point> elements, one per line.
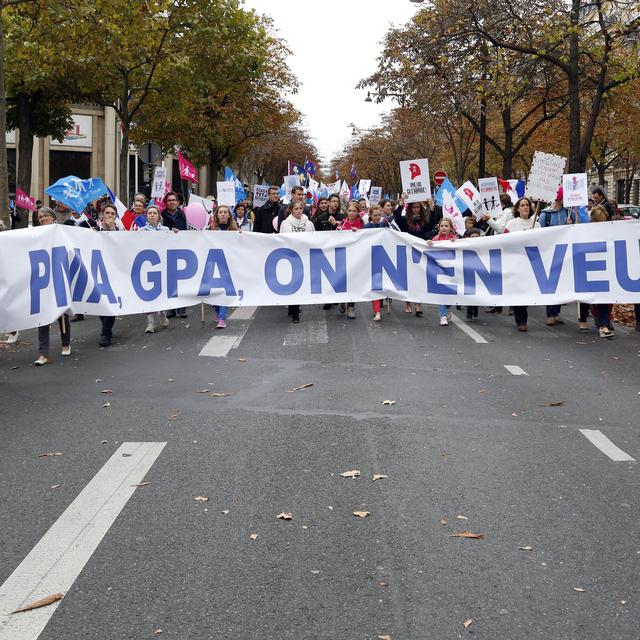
<point>4,169</point>
<point>573,79</point>
<point>25,155</point>
<point>507,155</point>
<point>124,166</point>
<point>601,170</point>
<point>214,168</point>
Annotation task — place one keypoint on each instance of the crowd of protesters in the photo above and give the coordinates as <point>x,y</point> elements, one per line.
<point>423,220</point>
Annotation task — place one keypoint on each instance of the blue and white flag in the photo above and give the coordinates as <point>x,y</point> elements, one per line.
<point>75,193</point>
<point>229,176</point>
<point>447,186</point>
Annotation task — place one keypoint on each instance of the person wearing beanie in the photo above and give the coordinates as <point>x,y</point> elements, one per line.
<point>554,216</point>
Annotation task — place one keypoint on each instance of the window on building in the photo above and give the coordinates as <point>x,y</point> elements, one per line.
<point>620,191</point>
<point>69,163</point>
<point>11,165</point>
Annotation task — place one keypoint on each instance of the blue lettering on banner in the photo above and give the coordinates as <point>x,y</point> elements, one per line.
<point>380,261</point>
<point>61,269</point>
<point>435,270</point>
<point>622,267</point>
<point>102,286</point>
<point>547,283</point>
<point>472,266</point>
<point>39,278</point>
<point>154,278</point>
<point>271,272</point>
<point>582,267</point>
<point>320,266</point>
<point>216,259</point>
<point>174,274</point>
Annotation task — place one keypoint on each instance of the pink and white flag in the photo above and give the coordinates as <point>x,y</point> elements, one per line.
<point>24,201</point>
<point>187,170</point>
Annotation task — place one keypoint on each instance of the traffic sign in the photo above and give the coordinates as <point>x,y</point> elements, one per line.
<point>439,177</point>
<point>150,153</point>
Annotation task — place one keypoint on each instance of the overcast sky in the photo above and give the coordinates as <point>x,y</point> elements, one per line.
<point>334,46</point>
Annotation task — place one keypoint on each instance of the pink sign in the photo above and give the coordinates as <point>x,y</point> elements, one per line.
<point>24,201</point>
<point>187,170</point>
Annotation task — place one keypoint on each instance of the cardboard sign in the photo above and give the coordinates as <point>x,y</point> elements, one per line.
<point>545,177</point>
<point>260,195</point>
<point>490,195</point>
<point>205,202</point>
<point>575,190</point>
<point>364,187</point>
<point>415,180</point>
<point>290,182</point>
<point>226,193</point>
<point>376,195</point>
<point>159,178</point>
<point>471,197</point>
<point>334,187</point>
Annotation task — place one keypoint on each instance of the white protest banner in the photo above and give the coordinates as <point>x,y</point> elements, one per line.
<point>159,178</point>
<point>545,176</point>
<point>450,210</point>
<point>334,187</point>
<point>227,193</point>
<point>575,190</point>
<point>260,195</point>
<point>50,269</point>
<point>289,183</point>
<point>471,197</point>
<point>364,186</point>
<point>415,180</point>
<point>490,194</point>
<point>313,185</point>
<point>376,195</point>
<point>345,192</point>
<point>205,202</point>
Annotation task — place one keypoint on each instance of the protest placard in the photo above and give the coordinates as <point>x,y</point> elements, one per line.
<point>376,195</point>
<point>159,178</point>
<point>490,195</point>
<point>260,195</point>
<point>471,197</point>
<point>364,186</point>
<point>545,176</point>
<point>415,179</point>
<point>575,190</point>
<point>227,193</point>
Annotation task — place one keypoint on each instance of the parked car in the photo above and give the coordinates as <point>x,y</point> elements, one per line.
<point>632,210</point>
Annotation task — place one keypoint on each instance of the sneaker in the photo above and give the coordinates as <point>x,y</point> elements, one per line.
<point>13,337</point>
<point>342,308</point>
<point>182,314</point>
<point>559,320</point>
<point>351,313</point>
<point>295,318</point>
<point>66,351</point>
<point>164,322</point>
<point>469,317</point>
<point>551,322</point>
<point>105,341</point>
<point>151,327</point>
<point>221,324</point>
<point>444,322</point>
<point>77,317</point>
<point>376,317</point>
<point>584,327</point>
<point>327,306</point>
<point>171,313</point>
<point>419,311</point>
<point>522,327</point>
<point>605,332</point>
<point>42,360</point>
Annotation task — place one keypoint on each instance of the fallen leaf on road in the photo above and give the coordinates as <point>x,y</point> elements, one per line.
<point>515,415</point>
<point>106,391</point>
<point>579,589</point>
<point>382,584</point>
<point>242,359</point>
<point>379,476</point>
<point>170,380</point>
<point>330,508</point>
<point>201,499</point>
<point>43,602</point>
<point>560,403</point>
<point>55,486</point>
<point>204,390</point>
<point>581,342</point>
<point>443,521</point>
<point>141,484</point>
<point>462,517</point>
<point>351,474</point>
<point>98,380</point>
<point>467,534</point>
<point>482,391</point>
<point>467,623</point>
<point>219,394</point>
<point>172,416</point>
<point>389,403</point>
<point>285,515</point>
<point>226,511</point>
<point>302,386</point>
<point>103,441</point>
<point>157,632</point>
<point>361,514</point>
<point>527,548</point>
<point>51,454</point>
<point>386,637</point>
<point>254,536</point>
<point>106,405</point>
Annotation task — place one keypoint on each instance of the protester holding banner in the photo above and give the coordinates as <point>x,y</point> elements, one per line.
<point>376,221</point>
<point>243,218</point>
<point>174,217</point>
<point>296,222</point>
<point>107,222</point>
<point>321,216</point>
<point>79,219</point>
<point>297,195</point>
<point>268,213</point>
<point>445,233</point>
<point>137,209</point>
<point>522,220</point>
<point>353,221</point>
<point>47,216</point>
<point>335,211</point>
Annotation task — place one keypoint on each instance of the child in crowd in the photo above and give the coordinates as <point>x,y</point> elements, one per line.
<point>153,223</point>
<point>352,222</point>
<point>376,221</point>
<point>221,220</point>
<point>472,232</point>
<point>445,232</point>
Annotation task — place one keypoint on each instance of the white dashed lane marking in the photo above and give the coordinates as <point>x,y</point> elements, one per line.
<point>515,370</point>
<point>599,440</point>
<point>463,326</point>
<point>221,342</point>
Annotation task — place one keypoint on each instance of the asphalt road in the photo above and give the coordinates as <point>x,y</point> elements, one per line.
<point>467,446</point>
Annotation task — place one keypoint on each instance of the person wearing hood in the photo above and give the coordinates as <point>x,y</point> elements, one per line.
<point>296,222</point>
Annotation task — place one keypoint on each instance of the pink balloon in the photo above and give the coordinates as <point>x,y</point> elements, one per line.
<point>197,216</point>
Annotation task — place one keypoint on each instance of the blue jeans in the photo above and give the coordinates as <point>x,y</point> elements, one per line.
<point>443,309</point>
<point>602,315</point>
<point>553,310</point>
<point>221,311</point>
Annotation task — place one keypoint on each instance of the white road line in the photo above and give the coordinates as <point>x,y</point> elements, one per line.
<point>56,561</point>
<point>306,332</point>
<point>220,344</point>
<point>599,440</point>
<point>515,370</point>
<point>463,326</point>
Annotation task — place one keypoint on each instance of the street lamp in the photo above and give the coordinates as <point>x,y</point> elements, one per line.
<point>400,96</point>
